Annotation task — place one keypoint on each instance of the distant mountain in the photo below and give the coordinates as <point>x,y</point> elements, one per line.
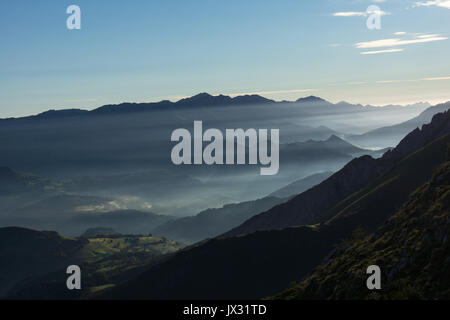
<point>123,221</point>
<point>312,99</point>
<point>205,100</point>
<point>237,267</point>
<point>301,185</point>
<point>333,149</point>
<point>411,248</point>
<point>391,135</point>
<point>311,206</point>
<point>213,222</point>
<point>72,214</point>
<point>99,232</point>
<point>197,101</point>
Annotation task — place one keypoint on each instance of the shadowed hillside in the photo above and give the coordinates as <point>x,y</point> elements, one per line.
<point>262,263</point>
<point>316,204</point>
<point>33,263</point>
<point>412,250</point>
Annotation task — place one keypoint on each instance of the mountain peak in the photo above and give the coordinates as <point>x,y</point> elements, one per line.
<point>334,137</point>
<point>202,95</point>
<point>311,99</point>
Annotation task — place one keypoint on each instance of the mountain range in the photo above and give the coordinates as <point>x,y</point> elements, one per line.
<point>248,264</point>
<point>200,100</point>
<point>391,135</point>
<point>317,203</point>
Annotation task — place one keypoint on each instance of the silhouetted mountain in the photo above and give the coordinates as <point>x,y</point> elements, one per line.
<point>197,101</point>
<point>301,185</point>
<point>312,99</point>
<point>332,150</point>
<point>98,232</point>
<point>237,267</point>
<point>391,135</point>
<point>310,206</point>
<point>411,249</point>
<point>116,153</point>
<point>123,221</point>
<point>201,100</point>
<point>213,222</point>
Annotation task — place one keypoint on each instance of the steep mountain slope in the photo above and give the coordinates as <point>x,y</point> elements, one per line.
<point>311,206</point>
<point>391,135</point>
<point>412,250</point>
<point>301,185</point>
<point>213,222</point>
<point>332,144</point>
<point>257,265</point>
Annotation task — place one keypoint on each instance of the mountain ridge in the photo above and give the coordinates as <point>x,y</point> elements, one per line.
<point>236,267</point>
<point>197,101</point>
<point>307,208</point>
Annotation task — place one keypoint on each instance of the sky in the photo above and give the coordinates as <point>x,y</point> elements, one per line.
<point>149,50</point>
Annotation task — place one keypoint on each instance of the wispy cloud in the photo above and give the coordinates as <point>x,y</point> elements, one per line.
<point>415,80</point>
<point>382,51</point>
<point>359,13</point>
<point>436,79</point>
<point>437,3</point>
<point>395,42</point>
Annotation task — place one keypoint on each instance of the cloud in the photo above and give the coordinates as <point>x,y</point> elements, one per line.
<point>436,79</point>
<point>360,13</point>
<point>395,42</point>
<point>382,51</point>
<point>350,14</point>
<point>400,33</point>
<point>416,80</point>
<point>437,3</point>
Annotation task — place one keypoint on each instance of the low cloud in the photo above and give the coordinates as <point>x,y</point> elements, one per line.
<point>359,13</point>
<point>382,51</point>
<point>395,42</point>
<point>435,3</point>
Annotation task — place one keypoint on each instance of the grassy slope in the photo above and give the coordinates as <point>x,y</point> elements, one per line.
<point>412,250</point>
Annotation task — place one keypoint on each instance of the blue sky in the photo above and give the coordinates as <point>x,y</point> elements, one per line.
<point>145,50</point>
